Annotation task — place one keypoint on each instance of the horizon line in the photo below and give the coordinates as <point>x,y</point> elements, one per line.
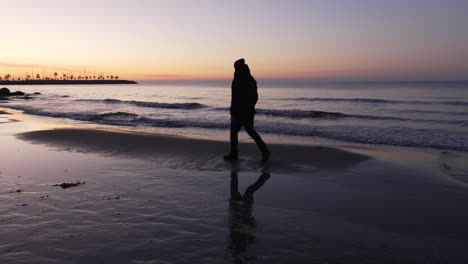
<point>297,80</point>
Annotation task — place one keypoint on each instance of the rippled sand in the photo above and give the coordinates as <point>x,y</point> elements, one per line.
<point>395,206</point>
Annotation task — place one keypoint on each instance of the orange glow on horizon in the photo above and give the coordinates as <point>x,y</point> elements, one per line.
<point>320,67</point>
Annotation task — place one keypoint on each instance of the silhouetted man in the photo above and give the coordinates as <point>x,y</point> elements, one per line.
<point>244,96</point>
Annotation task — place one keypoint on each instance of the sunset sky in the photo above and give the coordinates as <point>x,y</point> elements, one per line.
<point>180,40</point>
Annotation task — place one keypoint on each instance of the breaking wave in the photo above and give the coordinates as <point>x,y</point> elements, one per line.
<point>378,101</point>
<point>190,105</point>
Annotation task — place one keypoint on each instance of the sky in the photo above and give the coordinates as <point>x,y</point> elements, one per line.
<point>356,40</point>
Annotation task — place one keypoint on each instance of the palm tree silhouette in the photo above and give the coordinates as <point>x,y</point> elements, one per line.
<point>55,75</point>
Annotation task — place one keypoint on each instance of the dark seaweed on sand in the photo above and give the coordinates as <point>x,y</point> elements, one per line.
<point>66,185</point>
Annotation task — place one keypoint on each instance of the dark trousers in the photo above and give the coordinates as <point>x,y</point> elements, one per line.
<point>246,121</point>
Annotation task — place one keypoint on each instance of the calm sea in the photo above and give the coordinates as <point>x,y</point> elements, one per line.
<point>422,114</point>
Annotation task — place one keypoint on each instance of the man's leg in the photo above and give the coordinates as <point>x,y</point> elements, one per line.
<point>255,136</point>
<point>249,128</point>
<point>235,128</point>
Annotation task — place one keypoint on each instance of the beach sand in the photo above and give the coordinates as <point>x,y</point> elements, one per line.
<point>192,154</point>
<point>153,198</point>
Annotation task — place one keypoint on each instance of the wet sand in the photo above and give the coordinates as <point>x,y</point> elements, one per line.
<point>189,153</point>
<point>152,198</point>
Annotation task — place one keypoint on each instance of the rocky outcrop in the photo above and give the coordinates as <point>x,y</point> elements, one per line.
<point>17,93</point>
<point>5,92</point>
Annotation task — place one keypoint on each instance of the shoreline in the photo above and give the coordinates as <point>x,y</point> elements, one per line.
<point>201,153</point>
<point>277,138</point>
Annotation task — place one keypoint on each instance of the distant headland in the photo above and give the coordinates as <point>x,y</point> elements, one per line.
<point>62,82</point>
<point>63,78</point>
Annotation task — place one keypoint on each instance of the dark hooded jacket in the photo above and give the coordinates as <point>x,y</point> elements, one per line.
<point>243,90</point>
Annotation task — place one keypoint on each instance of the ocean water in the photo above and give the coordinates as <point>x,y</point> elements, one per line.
<point>414,114</point>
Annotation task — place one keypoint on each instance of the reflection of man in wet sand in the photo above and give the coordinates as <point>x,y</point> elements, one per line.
<point>244,96</point>
<point>241,221</point>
